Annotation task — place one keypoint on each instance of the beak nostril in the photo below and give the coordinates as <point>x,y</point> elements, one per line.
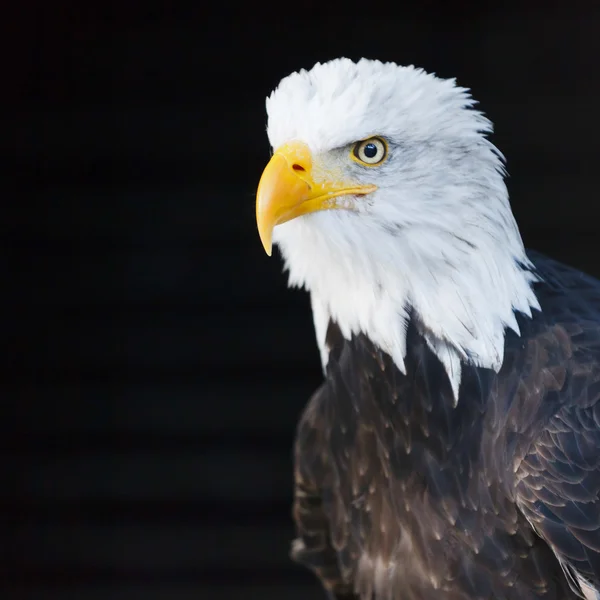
<point>298,167</point>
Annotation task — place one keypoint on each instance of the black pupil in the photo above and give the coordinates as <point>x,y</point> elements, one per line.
<point>370,150</point>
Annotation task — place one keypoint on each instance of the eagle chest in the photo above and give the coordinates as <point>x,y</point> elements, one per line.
<point>399,488</point>
<point>400,508</point>
<point>386,520</point>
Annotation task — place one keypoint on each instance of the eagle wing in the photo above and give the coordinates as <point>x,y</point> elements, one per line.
<point>558,480</point>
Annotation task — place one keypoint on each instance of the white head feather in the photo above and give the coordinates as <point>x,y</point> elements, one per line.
<point>437,236</point>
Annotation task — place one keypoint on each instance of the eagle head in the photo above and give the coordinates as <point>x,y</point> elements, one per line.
<point>386,199</point>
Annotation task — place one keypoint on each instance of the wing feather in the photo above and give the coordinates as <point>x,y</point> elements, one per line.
<point>558,486</point>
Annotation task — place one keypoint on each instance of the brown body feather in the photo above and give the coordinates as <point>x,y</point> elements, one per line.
<point>401,495</point>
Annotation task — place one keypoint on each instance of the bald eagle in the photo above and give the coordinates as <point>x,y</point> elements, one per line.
<point>453,449</point>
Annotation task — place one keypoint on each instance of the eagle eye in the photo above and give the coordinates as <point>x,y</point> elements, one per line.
<point>370,152</point>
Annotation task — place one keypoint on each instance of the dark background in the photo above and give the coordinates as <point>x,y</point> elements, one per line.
<point>156,363</point>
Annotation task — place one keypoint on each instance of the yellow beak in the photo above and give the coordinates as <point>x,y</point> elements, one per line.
<point>287,190</point>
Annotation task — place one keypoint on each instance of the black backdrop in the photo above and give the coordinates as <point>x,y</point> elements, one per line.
<point>156,363</point>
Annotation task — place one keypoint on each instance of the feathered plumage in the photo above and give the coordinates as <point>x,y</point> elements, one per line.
<point>453,450</point>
